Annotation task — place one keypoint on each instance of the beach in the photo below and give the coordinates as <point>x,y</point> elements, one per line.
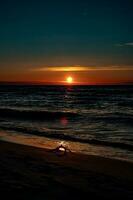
<point>66,100</point>
<point>38,173</point>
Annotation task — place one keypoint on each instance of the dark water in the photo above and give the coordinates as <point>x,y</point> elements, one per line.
<point>101,116</point>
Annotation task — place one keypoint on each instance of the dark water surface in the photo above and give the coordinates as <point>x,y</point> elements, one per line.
<point>100,116</point>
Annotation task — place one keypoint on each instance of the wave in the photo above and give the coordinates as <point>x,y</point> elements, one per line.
<point>35,114</point>
<point>116,118</point>
<point>41,115</point>
<point>56,135</point>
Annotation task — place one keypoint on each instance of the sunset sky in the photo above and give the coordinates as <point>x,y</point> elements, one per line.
<point>47,41</point>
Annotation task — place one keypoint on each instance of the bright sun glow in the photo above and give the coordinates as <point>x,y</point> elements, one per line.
<point>69,79</point>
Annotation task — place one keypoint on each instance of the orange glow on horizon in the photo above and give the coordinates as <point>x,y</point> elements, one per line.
<point>68,76</point>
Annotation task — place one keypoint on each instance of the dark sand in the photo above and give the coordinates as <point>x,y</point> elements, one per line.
<point>34,173</point>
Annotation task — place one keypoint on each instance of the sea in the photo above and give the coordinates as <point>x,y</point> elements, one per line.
<point>94,120</point>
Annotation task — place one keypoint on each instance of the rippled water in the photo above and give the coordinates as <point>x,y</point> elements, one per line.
<point>101,116</point>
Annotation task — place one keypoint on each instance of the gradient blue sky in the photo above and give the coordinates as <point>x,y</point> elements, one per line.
<point>37,35</point>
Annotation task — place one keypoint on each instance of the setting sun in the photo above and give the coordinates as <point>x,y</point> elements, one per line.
<point>69,79</point>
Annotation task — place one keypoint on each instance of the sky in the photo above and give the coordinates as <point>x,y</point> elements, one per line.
<point>47,41</point>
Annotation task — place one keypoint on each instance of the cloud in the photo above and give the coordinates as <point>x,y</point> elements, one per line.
<point>129,44</point>
<point>79,68</point>
<point>63,68</point>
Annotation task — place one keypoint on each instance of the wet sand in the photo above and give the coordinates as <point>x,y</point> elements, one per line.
<point>30,172</point>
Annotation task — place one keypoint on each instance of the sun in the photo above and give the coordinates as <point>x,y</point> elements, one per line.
<point>69,79</point>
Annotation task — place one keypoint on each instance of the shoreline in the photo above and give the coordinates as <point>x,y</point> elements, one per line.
<point>27,168</point>
<point>77,147</point>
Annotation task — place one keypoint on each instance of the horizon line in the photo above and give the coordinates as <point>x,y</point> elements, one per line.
<point>60,84</point>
